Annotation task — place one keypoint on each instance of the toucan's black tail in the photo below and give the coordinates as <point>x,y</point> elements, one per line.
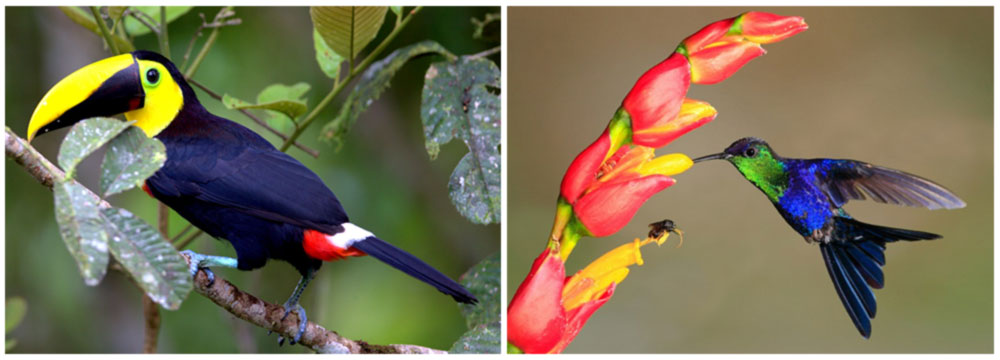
<point>854,260</point>
<point>415,267</point>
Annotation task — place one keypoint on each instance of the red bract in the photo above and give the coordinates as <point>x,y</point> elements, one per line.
<point>693,114</point>
<point>607,209</point>
<point>622,184</point>
<point>716,63</point>
<point>535,317</point>
<point>708,35</point>
<point>537,321</point>
<point>656,97</point>
<point>582,170</point>
<point>766,28</point>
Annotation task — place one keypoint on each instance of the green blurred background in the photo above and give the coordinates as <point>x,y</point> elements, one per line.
<point>382,176</point>
<point>908,88</point>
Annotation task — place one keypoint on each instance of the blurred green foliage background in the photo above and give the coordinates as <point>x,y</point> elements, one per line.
<point>382,176</point>
<point>908,88</point>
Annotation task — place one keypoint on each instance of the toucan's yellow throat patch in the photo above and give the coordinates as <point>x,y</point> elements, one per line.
<point>164,98</point>
<point>143,90</point>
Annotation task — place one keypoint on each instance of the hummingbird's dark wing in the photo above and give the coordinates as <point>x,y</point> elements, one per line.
<point>845,180</point>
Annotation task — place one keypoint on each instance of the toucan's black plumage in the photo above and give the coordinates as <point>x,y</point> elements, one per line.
<point>230,182</point>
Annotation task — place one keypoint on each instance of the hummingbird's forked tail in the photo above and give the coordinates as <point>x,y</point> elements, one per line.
<point>854,260</point>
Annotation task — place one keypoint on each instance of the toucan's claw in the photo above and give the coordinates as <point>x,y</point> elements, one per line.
<point>302,323</point>
<point>198,262</point>
<point>210,275</point>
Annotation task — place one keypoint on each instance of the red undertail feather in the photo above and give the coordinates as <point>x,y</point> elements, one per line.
<point>146,189</point>
<point>317,246</point>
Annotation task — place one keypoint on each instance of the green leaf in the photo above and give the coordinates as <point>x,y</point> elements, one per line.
<point>116,12</point>
<point>328,60</point>
<point>483,280</point>
<point>16,308</point>
<point>474,188</point>
<point>398,10</point>
<point>154,264</point>
<point>459,101</point>
<point>483,339</point>
<point>82,228</point>
<point>136,28</point>
<point>86,20</point>
<point>278,93</point>
<point>283,104</point>
<point>131,158</point>
<point>347,29</point>
<point>84,138</point>
<point>373,82</point>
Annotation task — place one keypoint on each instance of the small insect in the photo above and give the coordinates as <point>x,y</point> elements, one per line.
<point>659,228</point>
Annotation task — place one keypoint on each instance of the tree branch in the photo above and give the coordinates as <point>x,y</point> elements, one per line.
<point>33,162</point>
<point>138,16</point>
<point>104,30</point>
<point>484,53</point>
<point>151,311</point>
<point>268,316</point>
<point>243,305</point>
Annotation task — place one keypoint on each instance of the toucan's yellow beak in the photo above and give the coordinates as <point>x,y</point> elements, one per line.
<point>105,88</point>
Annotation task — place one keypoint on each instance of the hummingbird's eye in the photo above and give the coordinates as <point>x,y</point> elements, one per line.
<point>750,152</point>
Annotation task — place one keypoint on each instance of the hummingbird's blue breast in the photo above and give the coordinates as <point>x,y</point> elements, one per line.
<point>804,205</point>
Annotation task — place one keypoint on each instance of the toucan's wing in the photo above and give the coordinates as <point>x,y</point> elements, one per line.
<point>251,177</point>
<point>845,180</point>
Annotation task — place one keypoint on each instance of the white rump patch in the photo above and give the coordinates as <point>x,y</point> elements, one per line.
<point>351,234</point>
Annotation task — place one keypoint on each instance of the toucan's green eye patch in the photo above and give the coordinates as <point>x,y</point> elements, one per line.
<point>152,77</point>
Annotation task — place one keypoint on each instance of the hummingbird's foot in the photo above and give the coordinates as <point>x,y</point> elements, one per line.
<point>202,262</point>
<point>302,323</point>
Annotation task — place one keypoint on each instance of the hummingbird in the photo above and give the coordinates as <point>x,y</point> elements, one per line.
<point>810,195</point>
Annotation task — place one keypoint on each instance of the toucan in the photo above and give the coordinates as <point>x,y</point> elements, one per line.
<point>224,178</point>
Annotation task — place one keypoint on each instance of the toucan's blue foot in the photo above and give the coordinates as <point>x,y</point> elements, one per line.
<point>302,323</point>
<point>202,262</point>
<point>293,304</point>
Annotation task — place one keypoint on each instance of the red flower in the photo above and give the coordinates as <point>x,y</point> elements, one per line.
<point>693,114</point>
<point>608,182</point>
<point>549,309</point>
<point>656,97</point>
<point>766,28</point>
<point>582,170</point>
<point>723,47</point>
<point>708,35</point>
<point>536,321</point>
<point>716,63</point>
<point>608,191</point>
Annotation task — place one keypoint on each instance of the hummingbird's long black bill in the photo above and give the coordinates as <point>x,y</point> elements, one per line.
<point>721,155</point>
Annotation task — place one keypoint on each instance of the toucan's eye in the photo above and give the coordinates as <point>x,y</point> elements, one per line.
<point>152,77</point>
<point>750,152</point>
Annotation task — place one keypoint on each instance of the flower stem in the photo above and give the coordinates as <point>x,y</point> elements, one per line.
<point>570,237</point>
